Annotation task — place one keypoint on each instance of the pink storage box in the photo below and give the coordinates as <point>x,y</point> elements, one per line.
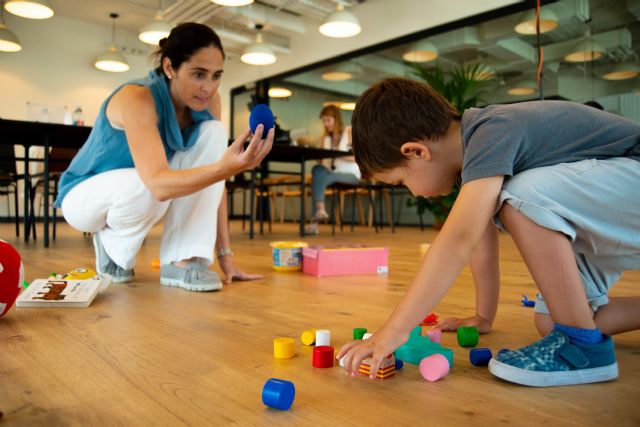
<point>341,260</point>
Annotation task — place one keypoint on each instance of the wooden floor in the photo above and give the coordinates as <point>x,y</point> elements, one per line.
<point>144,354</point>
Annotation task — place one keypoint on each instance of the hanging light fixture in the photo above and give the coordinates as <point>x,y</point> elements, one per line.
<point>258,53</point>
<point>622,71</point>
<point>527,23</point>
<point>585,50</point>
<point>348,106</point>
<point>112,60</point>
<point>32,9</point>
<point>424,51</point>
<point>232,2</point>
<point>279,92</point>
<point>155,30</point>
<point>340,24</point>
<point>8,41</point>
<point>336,76</point>
<point>523,87</point>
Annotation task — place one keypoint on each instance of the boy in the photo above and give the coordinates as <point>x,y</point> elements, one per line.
<point>562,178</point>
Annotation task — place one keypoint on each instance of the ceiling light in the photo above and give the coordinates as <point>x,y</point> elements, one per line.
<point>337,76</point>
<point>423,52</point>
<point>622,71</point>
<point>155,30</point>
<point>523,87</point>
<point>527,23</point>
<point>32,9</point>
<point>232,2</point>
<point>348,106</point>
<point>340,24</point>
<point>585,50</point>
<point>8,41</point>
<point>279,92</point>
<point>112,60</point>
<point>258,53</point>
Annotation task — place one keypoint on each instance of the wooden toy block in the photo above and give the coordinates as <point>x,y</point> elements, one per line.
<point>278,394</point>
<point>358,333</point>
<point>322,356</point>
<point>418,347</point>
<point>323,337</point>
<point>386,370</point>
<point>480,356</point>
<point>468,336</point>
<point>308,337</point>
<point>434,367</point>
<point>434,335</point>
<point>284,348</point>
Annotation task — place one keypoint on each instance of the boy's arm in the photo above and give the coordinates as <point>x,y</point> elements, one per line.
<point>446,257</point>
<point>486,277</point>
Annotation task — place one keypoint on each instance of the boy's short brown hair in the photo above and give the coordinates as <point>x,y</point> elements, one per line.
<point>392,112</point>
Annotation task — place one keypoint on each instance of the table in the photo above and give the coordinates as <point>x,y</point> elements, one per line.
<point>290,154</point>
<point>29,134</point>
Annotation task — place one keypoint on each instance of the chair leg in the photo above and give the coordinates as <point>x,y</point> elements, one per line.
<point>16,210</point>
<point>353,208</point>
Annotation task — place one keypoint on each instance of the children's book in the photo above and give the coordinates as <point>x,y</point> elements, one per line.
<point>67,291</point>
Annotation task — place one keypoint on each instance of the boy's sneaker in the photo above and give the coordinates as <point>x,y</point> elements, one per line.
<point>104,264</point>
<point>554,361</point>
<point>193,277</point>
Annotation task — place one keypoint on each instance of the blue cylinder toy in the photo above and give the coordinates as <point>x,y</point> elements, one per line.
<point>399,364</point>
<point>261,115</point>
<point>480,356</point>
<point>278,394</point>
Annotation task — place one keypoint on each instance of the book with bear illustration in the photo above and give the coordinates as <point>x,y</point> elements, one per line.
<point>78,288</point>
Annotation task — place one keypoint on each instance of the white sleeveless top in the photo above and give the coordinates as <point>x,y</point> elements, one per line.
<point>342,165</point>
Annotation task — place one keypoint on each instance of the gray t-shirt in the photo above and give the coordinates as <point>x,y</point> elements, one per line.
<point>508,139</point>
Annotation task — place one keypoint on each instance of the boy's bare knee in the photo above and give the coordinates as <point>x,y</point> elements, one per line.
<point>543,322</point>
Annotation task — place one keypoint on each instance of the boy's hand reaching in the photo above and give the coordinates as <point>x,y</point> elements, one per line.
<point>376,347</point>
<point>453,323</point>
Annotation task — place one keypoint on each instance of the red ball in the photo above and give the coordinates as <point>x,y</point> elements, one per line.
<point>11,276</point>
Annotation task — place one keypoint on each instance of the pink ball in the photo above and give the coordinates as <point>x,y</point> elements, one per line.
<point>11,276</point>
<point>434,367</point>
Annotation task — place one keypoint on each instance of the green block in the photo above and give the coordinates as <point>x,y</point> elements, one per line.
<point>358,333</point>
<point>418,347</point>
<point>468,336</point>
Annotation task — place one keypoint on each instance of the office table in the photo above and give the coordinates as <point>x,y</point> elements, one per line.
<point>290,154</point>
<point>30,134</point>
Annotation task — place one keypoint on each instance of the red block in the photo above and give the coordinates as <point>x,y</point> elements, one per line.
<point>323,356</point>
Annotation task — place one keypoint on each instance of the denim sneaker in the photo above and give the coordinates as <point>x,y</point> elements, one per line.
<point>104,264</point>
<point>193,277</point>
<point>555,361</point>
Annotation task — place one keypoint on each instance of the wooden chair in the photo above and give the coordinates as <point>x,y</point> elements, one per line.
<point>9,182</point>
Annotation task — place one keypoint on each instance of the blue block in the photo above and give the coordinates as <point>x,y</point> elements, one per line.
<point>418,347</point>
<point>480,356</point>
<point>527,302</point>
<point>278,394</point>
<point>261,115</point>
<point>399,364</point>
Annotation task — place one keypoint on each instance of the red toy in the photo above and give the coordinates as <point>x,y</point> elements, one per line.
<point>322,356</point>
<point>431,319</point>
<point>11,276</point>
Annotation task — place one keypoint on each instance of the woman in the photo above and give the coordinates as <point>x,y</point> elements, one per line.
<point>156,150</point>
<point>343,170</point>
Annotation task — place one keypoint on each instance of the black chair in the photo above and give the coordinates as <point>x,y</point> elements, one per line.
<point>9,181</point>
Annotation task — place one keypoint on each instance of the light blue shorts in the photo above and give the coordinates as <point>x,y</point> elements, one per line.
<point>596,203</point>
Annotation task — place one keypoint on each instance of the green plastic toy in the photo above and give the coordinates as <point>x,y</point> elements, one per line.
<point>418,347</point>
<point>358,333</point>
<point>468,336</point>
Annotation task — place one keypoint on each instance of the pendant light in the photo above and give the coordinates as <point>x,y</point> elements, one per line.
<point>280,92</point>
<point>155,30</point>
<point>258,53</point>
<point>424,51</point>
<point>232,3</point>
<point>585,50</point>
<point>32,9</point>
<point>340,24</point>
<point>112,60</point>
<point>522,88</point>
<point>8,41</point>
<point>623,71</point>
<point>527,24</point>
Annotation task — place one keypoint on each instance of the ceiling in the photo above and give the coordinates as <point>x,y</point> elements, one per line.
<point>282,19</point>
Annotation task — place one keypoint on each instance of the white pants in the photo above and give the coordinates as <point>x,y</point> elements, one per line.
<point>121,208</point>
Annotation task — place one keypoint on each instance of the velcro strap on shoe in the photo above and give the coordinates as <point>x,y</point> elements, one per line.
<point>573,355</point>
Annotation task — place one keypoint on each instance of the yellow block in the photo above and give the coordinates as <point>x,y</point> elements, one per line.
<point>308,337</point>
<point>284,348</point>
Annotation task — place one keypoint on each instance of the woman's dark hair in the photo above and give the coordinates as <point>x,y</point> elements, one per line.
<point>183,42</point>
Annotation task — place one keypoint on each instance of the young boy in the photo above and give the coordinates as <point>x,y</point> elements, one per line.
<point>562,178</point>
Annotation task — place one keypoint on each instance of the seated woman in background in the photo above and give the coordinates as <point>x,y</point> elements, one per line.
<point>344,170</point>
<point>157,151</point>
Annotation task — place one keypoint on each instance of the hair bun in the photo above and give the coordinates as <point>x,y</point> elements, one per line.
<point>162,42</point>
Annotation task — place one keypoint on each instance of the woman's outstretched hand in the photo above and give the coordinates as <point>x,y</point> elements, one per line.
<point>232,271</point>
<point>238,159</point>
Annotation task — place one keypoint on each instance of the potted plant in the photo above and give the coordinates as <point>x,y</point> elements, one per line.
<point>462,87</point>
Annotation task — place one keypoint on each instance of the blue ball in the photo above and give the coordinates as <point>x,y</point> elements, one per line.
<point>261,115</point>
<point>480,356</point>
<point>278,394</point>
<point>399,364</point>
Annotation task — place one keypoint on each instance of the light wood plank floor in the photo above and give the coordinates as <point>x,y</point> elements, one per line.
<point>144,354</point>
